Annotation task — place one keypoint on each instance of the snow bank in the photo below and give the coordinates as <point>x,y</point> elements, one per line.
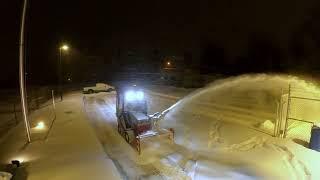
<point>5,176</point>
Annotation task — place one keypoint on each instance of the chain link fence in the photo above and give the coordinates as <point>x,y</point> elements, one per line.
<point>302,112</point>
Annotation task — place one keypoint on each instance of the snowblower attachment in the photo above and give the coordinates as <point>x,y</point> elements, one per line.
<point>134,124</point>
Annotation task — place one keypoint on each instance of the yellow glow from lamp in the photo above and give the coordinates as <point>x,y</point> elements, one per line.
<point>65,47</point>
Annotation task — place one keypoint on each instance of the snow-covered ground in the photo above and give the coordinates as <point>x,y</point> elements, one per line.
<point>216,133</point>
<point>160,159</point>
<point>217,136</point>
<point>100,109</point>
<point>70,151</point>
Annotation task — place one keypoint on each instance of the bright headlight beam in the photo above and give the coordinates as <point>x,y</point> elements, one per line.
<point>130,96</point>
<point>140,95</point>
<point>134,95</point>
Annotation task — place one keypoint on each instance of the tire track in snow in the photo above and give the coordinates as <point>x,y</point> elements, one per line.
<point>293,163</point>
<point>187,137</point>
<point>249,144</point>
<point>171,171</point>
<point>214,134</point>
<point>101,112</point>
<point>91,111</point>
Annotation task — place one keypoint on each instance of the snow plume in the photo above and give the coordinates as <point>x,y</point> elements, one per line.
<point>250,100</point>
<point>260,89</point>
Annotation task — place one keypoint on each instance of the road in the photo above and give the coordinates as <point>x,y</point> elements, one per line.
<point>100,109</point>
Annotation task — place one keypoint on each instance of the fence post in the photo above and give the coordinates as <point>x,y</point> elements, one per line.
<point>15,113</point>
<point>278,118</point>
<point>37,96</point>
<point>53,102</point>
<point>288,114</point>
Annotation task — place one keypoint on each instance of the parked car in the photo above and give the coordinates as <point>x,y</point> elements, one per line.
<point>100,87</point>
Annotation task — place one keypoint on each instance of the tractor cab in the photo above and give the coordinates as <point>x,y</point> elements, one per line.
<point>132,100</point>
<point>132,110</point>
<point>134,123</point>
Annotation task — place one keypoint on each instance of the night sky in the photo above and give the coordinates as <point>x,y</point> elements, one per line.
<point>97,27</point>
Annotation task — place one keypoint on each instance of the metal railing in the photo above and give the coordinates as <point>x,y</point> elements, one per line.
<point>39,99</point>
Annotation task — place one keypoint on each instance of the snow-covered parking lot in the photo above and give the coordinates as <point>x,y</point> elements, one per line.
<point>222,131</point>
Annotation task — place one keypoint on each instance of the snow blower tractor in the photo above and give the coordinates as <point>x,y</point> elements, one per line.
<point>134,123</point>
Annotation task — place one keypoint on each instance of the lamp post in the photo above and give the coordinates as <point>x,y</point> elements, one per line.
<point>22,74</point>
<point>62,48</point>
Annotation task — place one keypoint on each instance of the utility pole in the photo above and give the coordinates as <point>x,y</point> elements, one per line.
<point>60,74</point>
<point>21,73</point>
<point>62,48</point>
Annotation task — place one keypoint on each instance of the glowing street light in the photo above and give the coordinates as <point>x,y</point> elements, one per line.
<point>64,47</point>
<point>168,63</point>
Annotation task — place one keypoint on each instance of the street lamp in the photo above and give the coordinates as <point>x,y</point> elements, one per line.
<point>62,48</point>
<point>22,73</point>
<point>65,47</point>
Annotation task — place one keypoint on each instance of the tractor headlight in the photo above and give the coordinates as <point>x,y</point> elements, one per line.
<point>140,96</point>
<point>134,95</point>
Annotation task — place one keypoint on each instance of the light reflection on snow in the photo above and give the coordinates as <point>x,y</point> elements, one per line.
<point>40,126</point>
<point>21,159</point>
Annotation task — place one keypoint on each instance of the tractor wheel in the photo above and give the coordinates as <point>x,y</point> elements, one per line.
<point>126,136</point>
<point>90,91</point>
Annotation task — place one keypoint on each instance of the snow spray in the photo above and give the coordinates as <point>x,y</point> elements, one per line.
<point>250,100</point>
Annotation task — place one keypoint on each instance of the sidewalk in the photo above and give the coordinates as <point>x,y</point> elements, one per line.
<point>71,150</point>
